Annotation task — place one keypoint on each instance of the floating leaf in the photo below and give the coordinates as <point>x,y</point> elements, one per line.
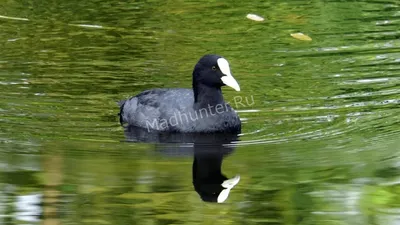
<point>301,36</point>
<point>254,17</point>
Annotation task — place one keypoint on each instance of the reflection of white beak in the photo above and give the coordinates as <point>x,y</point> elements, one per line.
<point>231,182</point>
<point>228,79</point>
<point>228,184</point>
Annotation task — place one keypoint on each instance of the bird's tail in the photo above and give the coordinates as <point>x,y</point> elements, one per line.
<point>121,110</point>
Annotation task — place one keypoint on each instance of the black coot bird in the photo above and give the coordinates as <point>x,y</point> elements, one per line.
<point>201,109</point>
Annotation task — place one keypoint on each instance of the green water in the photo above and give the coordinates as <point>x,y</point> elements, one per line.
<point>320,141</point>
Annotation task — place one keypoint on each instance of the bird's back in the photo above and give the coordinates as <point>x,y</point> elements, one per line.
<point>174,110</point>
<point>148,107</point>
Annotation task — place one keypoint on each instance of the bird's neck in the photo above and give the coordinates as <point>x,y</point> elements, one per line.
<point>205,96</point>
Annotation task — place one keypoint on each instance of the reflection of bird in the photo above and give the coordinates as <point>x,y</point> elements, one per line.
<point>208,179</point>
<point>200,109</point>
<point>208,150</point>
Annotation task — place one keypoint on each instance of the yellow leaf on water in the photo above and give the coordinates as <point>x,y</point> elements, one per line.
<point>301,36</point>
<point>254,17</point>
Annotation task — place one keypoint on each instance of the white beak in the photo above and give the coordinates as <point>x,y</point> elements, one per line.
<point>228,79</point>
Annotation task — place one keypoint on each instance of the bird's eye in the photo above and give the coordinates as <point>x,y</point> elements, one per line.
<point>214,68</point>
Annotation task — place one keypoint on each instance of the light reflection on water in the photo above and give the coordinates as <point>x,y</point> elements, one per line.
<point>27,208</point>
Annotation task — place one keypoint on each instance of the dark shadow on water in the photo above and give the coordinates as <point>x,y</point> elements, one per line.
<point>208,151</point>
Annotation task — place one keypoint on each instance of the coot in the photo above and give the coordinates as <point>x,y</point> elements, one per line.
<point>200,109</point>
